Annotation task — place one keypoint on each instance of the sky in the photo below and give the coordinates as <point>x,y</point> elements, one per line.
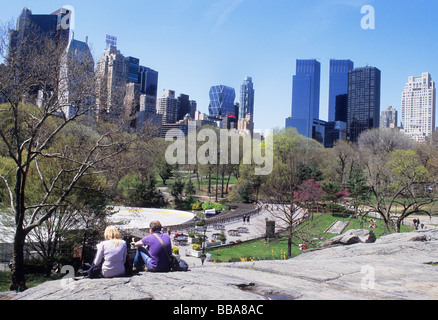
<point>196,44</point>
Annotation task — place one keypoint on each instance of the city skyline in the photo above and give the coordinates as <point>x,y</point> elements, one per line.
<point>194,44</point>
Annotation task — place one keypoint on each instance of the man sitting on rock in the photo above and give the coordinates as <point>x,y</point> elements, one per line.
<point>153,250</point>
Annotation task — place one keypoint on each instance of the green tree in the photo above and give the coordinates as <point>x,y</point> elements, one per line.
<point>31,135</point>
<point>189,189</point>
<point>400,182</point>
<point>291,151</point>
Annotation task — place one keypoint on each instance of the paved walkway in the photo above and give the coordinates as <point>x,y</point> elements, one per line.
<point>256,229</point>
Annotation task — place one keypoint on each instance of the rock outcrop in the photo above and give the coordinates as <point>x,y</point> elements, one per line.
<point>398,266</point>
<point>351,237</point>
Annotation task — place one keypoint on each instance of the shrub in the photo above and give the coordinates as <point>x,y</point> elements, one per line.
<point>196,247</point>
<point>197,206</point>
<point>175,250</point>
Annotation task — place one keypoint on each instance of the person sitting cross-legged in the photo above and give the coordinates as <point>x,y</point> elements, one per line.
<point>151,250</point>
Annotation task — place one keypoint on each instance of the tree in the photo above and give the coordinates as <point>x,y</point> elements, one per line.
<point>176,190</point>
<point>400,181</point>
<point>189,189</point>
<point>30,135</point>
<point>358,188</point>
<point>291,151</point>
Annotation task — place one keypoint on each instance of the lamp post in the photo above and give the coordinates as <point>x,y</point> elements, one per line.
<point>203,255</point>
<point>217,171</point>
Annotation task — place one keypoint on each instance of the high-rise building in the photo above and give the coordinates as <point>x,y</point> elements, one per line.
<point>418,107</point>
<point>193,108</point>
<point>363,101</point>
<point>246,98</point>
<point>183,106</point>
<point>132,66</point>
<point>338,83</point>
<point>389,118</point>
<point>148,80</point>
<point>110,83</point>
<point>167,106</point>
<point>305,97</point>
<point>77,74</point>
<point>40,27</point>
<point>222,100</point>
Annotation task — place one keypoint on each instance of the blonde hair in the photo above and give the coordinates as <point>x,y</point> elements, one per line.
<point>111,233</point>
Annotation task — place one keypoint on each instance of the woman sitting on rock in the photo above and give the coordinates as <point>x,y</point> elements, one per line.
<point>111,254</point>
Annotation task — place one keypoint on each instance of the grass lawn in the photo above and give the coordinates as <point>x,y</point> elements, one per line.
<point>275,249</point>
<point>32,280</point>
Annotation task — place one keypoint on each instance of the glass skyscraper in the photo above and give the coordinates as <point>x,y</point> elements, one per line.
<point>132,69</point>
<point>148,80</point>
<point>338,83</point>
<point>246,98</point>
<point>222,100</point>
<point>363,101</point>
<point>305,96</point>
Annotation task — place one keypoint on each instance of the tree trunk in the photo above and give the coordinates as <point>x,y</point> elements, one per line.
<point>228,182</point>
<point>289,242</point>
<point>18,281</point>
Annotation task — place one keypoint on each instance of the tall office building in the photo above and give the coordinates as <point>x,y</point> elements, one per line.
<point>363,101</point>
<point>44,26</point>
<point>246,98</point>
<point>338,83</point>
<point>305,97</point>
<point>222,101</point>
<point>110,83</point>
<point>183,106</point>
<point>77,75</point>
<point>167,106</point>
<point>132,66</point>
<point>148,80</point>
<point>193,108</point>
<point>418,107</point>
<point>389,118</point>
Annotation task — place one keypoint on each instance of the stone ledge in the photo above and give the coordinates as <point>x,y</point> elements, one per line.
<point>400,265</point>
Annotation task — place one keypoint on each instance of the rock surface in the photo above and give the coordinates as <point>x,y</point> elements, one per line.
<point>398,266</point>
<point>351,237</point>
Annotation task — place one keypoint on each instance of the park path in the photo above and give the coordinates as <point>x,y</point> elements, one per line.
<point>256,229</point>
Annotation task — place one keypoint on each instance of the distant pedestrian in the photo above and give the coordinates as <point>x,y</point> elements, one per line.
<point>247,218</point>
<point>415,223</point>
<point>244,218</point>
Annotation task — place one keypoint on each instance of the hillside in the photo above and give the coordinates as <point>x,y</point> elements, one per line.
<point>398,266</point>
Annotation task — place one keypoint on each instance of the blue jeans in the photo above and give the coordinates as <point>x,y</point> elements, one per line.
<point>142,258</point>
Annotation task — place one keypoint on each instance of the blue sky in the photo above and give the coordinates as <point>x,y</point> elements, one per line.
<point>195,44</point>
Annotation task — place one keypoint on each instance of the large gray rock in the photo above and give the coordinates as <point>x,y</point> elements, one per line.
<point>351,237</point>
<point>398,266</point>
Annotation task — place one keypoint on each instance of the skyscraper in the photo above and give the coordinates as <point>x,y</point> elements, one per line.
<point>132,66</point>
<point>338,83</point>
<point>148,80</point>
<point>418,107</point>
<point>40,27</point>
<point>363,101</point>
<point>167,106</point>
<point>246,98</point>
<point>183,106</point>
<point>389,118</point>
<point>77,74</point>
<point>221,100</point>
<point>110,84</point>
<point>305,96</point>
